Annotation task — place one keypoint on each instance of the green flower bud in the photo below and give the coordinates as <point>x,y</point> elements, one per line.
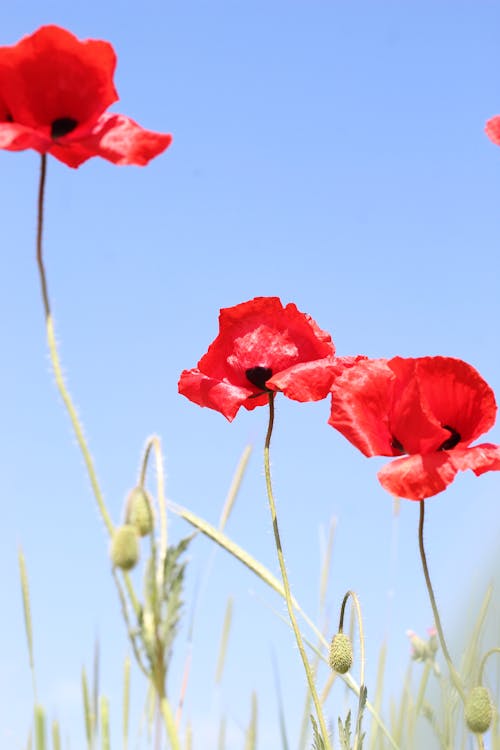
<point>478,710</point>
<point>139,511</point>
<point>124,550</point>
<point>340,657</point>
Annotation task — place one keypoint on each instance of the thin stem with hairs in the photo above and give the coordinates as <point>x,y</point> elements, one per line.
<point>286,585</point>
<point>455,677</point>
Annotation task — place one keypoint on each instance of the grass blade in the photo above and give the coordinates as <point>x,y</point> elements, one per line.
<point>224,640</point>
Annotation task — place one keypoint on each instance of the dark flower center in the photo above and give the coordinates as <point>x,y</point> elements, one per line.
<point>451,441</point>
<point>8,117</point>
<point>62,126</point>
<point>258,376</point>
<point>396,445</point>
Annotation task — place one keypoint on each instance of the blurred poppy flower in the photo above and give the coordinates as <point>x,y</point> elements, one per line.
<point>263,347</point>
<point>430,408</point>
<point>54,90</point>
<point>492,129</point>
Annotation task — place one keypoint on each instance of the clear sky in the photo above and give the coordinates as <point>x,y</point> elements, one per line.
<point>330,153</point>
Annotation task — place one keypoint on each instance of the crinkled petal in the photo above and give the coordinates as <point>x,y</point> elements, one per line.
<point>418,477</point>
<point>116,138</point>
<point>456,395</point>
<point>51,75</point>
<point>479,458</point>
<point>14,137</point>
<point>308,381</point>
<point>361,403</point>
<point>263,333</point>
<point>216,394</point>
<point>492,129</point>
<point>412,421</point>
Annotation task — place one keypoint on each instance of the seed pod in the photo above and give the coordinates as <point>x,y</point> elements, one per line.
<point>139,511</point>
<point>124,550</point>
<point>479,710</point>
<point>340,657</point>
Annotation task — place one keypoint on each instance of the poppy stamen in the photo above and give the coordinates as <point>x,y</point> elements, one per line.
<point>451,441</point>
<point>258,376</point>
<point>396,445</point>
<point>62,126</point>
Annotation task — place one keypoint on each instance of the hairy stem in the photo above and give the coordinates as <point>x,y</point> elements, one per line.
<point>455,677</point>
<point>284,575</point>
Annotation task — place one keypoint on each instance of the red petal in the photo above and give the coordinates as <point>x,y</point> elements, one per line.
<point>361,403</point>
<point>263,333</point>
<point>307,381</point>
<point>479,458</point>
<point>455,394</point>
<point>492,129</point>
<point>215,394</point>
<point>418,477</point>
<point>411,420</point>
<point>116,138</point>
<point>14,137</point>
<point>51,75</point>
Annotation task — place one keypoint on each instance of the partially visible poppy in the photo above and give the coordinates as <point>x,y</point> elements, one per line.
<point>54,90</point>
<point>263,347</point>
<point>430,408</point>
<point>492,129</point>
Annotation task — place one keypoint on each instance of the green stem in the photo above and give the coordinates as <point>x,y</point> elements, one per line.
<point>54,356</point>
<point>154,443</point>
<point>168,718</point>
<point>357,607</point>
<point>284,575</point>
<point>59,378</point>
<point>487,655</point>
<point>455,677</point>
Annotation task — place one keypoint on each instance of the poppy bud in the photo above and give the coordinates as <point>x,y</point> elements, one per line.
<point>139,511</point>
<point>478,710</point>
<point>124,550</point>
<point>340,657</point>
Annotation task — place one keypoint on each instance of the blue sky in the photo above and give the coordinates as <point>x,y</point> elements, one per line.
<point>333,154</point>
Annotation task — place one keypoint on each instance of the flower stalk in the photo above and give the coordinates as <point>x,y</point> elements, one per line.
<point>286,584</point>
<point>455,677</point>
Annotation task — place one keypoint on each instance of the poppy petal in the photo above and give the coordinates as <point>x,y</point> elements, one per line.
<point>492,129</point>
<point>116,138</point>
<point>15,137</point>
<point>216,394</point>
<point>307,381</point>
<point>456,395</point>
<point>418,477</point>
<point>51,75</point>
<point>361,403</point>
<point>412,422</point>
<point>479,458</point>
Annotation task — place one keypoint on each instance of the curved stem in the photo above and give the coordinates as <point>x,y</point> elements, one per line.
<point>455,677</point>
<point>487,655</point>
<point>59,378</point>
<point>54,356</point>
<point>154,443</point>
<point>284,575</point>
<point>363,691</point>
<point>357,607</point>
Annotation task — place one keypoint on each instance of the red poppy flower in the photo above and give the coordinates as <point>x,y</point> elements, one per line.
<point>492,129</point>
<point>54,90</point>
<point>263,347</point>
<point>430,408</point>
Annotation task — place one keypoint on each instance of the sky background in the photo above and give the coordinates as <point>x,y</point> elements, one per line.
<point>330,153</point>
